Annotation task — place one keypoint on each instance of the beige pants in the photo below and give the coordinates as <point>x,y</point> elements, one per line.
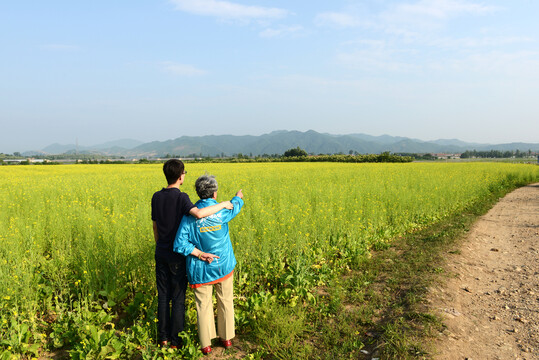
<point>225,311</point>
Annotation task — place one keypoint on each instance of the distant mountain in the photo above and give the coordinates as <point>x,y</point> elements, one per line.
<point>509,147</point>
<point>108,148</point>
<point>31,153</point>
<point>122,143</point>
<point>277,142</point>
<point>455,142</point>
<point>382,139</point>
<point>59,148</point>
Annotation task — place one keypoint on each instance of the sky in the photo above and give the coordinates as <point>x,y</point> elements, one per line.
<point>96,71</point>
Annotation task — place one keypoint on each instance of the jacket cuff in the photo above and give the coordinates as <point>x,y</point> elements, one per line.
<point>184,250</point>
<point>238,199</point>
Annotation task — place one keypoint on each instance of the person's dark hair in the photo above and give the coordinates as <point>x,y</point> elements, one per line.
<point>173,169</point>
<point>205,186</point>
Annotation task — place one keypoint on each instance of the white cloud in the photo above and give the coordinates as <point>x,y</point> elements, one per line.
<point>399,31</point>
<point>470,42</point>
<point>228,10</point>
<point>441,8</point>
<point>280,31</point>
<point>425,16</point>
<point>339,19</point>
<point>400,18</point>
<point>181,69</point>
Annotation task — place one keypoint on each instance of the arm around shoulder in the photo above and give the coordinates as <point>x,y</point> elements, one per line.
<point>210,210</point>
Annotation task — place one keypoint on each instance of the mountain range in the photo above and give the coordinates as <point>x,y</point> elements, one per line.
<point>277,142</point>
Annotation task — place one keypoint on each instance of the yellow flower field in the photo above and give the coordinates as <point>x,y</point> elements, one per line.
<point>76,242</point>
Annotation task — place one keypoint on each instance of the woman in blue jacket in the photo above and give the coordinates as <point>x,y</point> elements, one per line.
<point>210,263</point>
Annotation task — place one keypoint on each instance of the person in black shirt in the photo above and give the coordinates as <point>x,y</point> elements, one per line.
<point>169,205</point>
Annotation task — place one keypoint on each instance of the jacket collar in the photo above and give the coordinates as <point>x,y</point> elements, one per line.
<point>206,202</point>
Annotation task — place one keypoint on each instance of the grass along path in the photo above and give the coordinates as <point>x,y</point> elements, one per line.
<point>381,309</point>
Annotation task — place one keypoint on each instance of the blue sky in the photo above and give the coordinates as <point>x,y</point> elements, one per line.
<point>96,71</point>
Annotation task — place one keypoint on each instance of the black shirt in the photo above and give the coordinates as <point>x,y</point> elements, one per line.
<point>169,205</point>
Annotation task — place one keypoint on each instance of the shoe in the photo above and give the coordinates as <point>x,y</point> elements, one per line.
<point>226,343</point>
<point>206,350</point>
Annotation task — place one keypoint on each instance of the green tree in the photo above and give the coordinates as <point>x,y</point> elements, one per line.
<point>295,152</point>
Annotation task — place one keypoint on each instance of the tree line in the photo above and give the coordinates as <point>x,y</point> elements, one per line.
<point>494,154</point>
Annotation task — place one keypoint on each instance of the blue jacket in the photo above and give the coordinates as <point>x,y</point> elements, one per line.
<point>209,234</point>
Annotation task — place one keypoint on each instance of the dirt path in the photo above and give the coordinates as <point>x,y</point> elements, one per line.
<point>491,305</point>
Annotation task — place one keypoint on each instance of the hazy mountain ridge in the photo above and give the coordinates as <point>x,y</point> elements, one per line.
<point>107,148</point>
<point>277,142</point>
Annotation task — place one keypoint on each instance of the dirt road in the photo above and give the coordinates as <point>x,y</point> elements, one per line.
<point>491,304</point>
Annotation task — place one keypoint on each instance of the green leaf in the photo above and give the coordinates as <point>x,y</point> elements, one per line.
<point>105,350</point>
<point>118,347</point>
<point>6,355</point>
<point>33,348</point>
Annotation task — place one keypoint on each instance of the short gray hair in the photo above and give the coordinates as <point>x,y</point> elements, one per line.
<point>205,186</point>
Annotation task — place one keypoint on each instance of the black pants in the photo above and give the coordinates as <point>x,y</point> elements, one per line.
<point>171,280</point>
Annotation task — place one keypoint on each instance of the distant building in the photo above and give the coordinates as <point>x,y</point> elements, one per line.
<point>443,156</point>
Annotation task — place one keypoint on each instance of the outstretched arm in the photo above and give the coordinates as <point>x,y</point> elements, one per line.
<point>240,194</point>
<point>237,201</point>
<point>210,210</point>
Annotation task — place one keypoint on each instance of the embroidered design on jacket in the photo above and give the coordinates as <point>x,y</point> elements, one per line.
<point>209,228</point>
